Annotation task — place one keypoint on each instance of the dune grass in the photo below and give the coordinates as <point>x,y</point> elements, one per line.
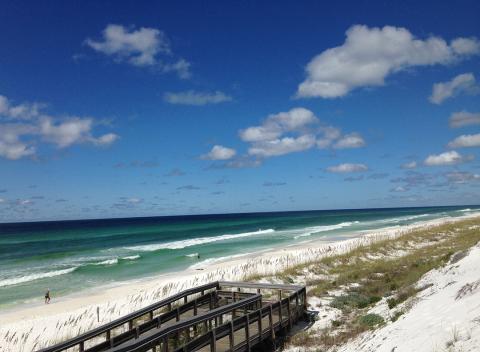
<point>386,269</point>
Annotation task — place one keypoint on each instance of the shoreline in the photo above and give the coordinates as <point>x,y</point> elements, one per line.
<point>78,311</point>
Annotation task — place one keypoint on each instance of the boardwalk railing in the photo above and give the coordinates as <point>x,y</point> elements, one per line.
<point>149,311</point>
<point>222,316</point>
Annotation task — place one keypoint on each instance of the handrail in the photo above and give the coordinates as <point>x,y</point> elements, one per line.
<point>260,285</point>
<point>146,341</point>
<point>125,319</point>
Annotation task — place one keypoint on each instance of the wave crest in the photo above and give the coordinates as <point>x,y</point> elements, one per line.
<point>32,277</point>
<point>324,228</point>
<point>195,241</point>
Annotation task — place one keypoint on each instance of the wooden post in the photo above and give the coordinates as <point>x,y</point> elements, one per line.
<point>296,306</point>
<point>150,315</point>
<point>130,324</point>
<point>82,346</point>
<point>270,319</point>
<point>247,333</point>
<point>165,344</point>
<point>195,312</point>
<point>260,330</point>
<point>213,347</point>
<point>280,315</point>
<point>232,334</point>
<point>289,314</point>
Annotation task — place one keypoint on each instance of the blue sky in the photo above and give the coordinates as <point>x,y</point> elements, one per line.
<point>135,109</point>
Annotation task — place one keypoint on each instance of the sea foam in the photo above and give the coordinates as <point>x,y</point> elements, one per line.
<point>32,277</point>
<point>195,241</point>
<point>311,230</point>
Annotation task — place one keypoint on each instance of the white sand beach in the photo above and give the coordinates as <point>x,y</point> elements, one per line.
<point>33,327</point>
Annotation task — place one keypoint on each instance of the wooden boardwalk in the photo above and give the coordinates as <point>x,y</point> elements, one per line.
<point>221,316</point>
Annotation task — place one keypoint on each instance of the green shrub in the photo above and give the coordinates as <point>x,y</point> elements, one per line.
<point>392,303</point>
<point>371,320</point>
<point>374,299</point>
<point>351,300</point>
<point>336,323</point>
<point>397,315</point>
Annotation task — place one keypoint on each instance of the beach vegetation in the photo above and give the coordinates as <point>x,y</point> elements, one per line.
<point>356,281</point>
<point>371,320</point>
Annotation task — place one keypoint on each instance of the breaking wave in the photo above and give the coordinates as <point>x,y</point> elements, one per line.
<point>32,277</point>
<point>316,229</point>
<point>195,241</point>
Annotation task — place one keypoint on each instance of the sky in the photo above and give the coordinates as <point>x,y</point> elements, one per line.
<point>117,109</point>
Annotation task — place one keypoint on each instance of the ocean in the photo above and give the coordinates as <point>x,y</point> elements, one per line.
<point>70,256</point>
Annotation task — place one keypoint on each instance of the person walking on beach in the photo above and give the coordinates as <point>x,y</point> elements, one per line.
<point>47,296</point>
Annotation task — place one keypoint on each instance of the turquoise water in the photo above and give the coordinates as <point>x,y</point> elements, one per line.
<point>70,256</point>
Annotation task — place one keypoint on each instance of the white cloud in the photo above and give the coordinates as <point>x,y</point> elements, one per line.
<point>466,46</point>
<point>444,90</point>
<point>466,140</point>
<point>196,98</point>
<point>295,130</point>
<point>330,134</point>
<point>106,139</point>
<point>410,165</point>
<point>347,168</point>
<point>447,158</point>
<point>281,146</point>
<point>464,118</point>
<point>134,200</point>
<point>23,130</point>
<point>139,47</point>
<point>277,124</point>
<point>24,111</point>
<point>66,133</point>
<point>399,189</point>
<point>462,177</point>
<point>219,152</point>
<point>351,140</point>
<point>181,67</point>
<point>369,55</point>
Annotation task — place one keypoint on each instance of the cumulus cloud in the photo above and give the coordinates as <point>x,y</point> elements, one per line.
<point>410,165</point>
<point>447,158</point>
<point>464,118</point>
<point>192,97</point>
<point>282,146</point>
<point>466,140</point>
<point>347,168</point>
<point>24,126</point>
<point>293,131</point>
<point>352,140</point>
<point>139,47</point>
<point>181,67</point>
<point>219,152</point>
<point>23,111</point>
<point>277,124</point>
<point>464,83</point>
<point>369,55</point>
